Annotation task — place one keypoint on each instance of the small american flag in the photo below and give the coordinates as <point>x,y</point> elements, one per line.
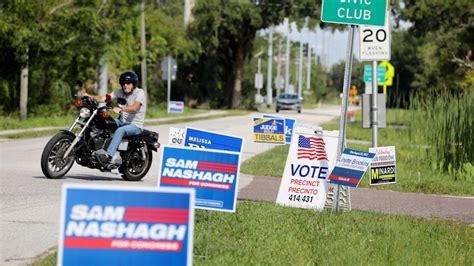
<point>311,148</point>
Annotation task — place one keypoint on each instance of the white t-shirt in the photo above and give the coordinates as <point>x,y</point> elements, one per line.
<point>137,118</point>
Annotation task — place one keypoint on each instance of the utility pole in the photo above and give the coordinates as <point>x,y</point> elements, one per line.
<point>143,49</point>
<point>308,70</point>
<point>188,7</point>
<point>24,86</point>
<point>279,67</point>
<point>269,67</point>
<point>373,107</point>
<point>300,71</point>
<point>103,70</point>
<point>287,61</point>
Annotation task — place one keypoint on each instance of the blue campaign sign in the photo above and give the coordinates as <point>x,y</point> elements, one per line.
<point>269,130</point>
<point>112,225</point>
<point>289,126</point>
<point>210,140</point>
<point>213,174</point>
<point>351,167</point>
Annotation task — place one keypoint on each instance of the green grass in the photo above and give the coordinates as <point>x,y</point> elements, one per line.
<point>268,234</point>
<point>13,122</point>
<point>445,122</point>
<point>414,173</point>
<point>179,118</point>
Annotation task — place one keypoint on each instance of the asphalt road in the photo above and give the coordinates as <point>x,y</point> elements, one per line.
<point>30,203</point>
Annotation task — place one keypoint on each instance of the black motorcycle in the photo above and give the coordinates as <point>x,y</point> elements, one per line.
<point>93,130</point>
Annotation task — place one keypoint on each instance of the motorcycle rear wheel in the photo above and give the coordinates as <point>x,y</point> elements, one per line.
<point>135,167</point>
<point>52,163</point>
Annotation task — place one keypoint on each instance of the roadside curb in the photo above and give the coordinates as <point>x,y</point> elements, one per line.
<point>148,120</point>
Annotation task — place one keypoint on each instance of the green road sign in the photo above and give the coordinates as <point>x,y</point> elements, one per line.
<point>360,12</point>
<point>381,70</point>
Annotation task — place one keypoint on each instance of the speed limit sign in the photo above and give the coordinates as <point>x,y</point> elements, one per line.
<point>375,42</point>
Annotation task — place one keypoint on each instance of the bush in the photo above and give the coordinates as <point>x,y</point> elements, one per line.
<point>445,122</point>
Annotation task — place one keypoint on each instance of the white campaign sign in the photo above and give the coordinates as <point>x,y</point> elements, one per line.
<point>176,136</point>
<point>375,42</point>
<point>310,160</point>
<point>383,166</point>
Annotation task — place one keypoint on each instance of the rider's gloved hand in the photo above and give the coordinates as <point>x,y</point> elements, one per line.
<point>117,110</point>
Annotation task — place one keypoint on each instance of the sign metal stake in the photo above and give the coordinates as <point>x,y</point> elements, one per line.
<point>373,107</point>
<point>208,234</point>
<point>343,121</point>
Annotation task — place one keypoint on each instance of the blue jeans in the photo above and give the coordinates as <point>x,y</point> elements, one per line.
<point>123,130</point>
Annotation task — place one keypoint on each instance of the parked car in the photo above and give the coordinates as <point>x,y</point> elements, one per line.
<point>287,101</point>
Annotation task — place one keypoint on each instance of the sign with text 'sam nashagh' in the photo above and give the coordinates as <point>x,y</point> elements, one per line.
<point>212,173</point>
<point>112,225</point>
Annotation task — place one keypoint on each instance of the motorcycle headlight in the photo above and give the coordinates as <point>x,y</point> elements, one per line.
<point>84,112</point>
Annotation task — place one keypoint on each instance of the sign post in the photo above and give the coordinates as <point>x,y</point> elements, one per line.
<point>168,70</point>
<point>375,46</point>
<point>362,12</point>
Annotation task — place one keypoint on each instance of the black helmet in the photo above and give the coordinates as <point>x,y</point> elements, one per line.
<point>128,76</point>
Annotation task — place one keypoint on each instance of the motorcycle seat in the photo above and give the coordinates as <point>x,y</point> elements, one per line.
<point>144,134</point>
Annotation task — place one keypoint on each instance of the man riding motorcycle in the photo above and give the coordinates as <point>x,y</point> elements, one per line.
<point>131,107</point>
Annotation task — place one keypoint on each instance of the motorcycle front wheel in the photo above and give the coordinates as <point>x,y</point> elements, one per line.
<point>53,164</point>
<point>135,167</point>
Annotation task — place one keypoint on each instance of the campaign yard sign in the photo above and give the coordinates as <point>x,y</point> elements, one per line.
<point>310,159</point>
<point>213,174</point>
<point>269,130</point>
<point>176,136</point>
<point>351,167</point>
<point>175,107</point>
<point>383,166</point>
<point>289,126</point>
<point>112,225</point>
<point>197,138</point>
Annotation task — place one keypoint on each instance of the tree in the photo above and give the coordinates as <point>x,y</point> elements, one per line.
<point>48,38</point>
<point>226,31</point>
<point>22,25</point>
<point>444,32</point>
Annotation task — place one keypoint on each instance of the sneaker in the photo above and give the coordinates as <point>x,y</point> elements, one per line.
<point>102,156</point>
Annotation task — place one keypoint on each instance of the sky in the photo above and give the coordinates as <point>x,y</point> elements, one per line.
<point>330,46</point>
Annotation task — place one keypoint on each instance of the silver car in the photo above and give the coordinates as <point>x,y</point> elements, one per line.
<point>287,101</point>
